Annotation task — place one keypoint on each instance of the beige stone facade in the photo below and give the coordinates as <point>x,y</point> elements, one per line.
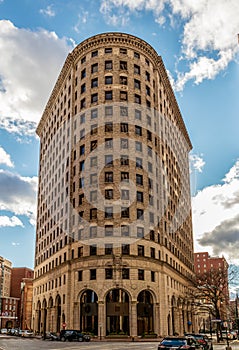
<point>114,244</point>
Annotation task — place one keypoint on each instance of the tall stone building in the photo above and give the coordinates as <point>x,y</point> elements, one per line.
<point>114,244</point>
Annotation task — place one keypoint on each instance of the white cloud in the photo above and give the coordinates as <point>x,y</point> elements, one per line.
<point>13,221</point>
<point>5,158</point>
<point>28,71</point>
<point>210,27</point>
<point>215,216</point>
<point>18,194</point>
<point>15,244</point>
<point>48,11</point>
<point>82,19</point>
<point>196,162</point>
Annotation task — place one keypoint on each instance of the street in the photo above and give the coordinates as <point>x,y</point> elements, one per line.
<point>12,343</point>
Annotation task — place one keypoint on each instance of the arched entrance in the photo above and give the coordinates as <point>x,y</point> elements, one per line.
<point>117,312</point>
<point>58,313</point>
<point>89,312</point>
<point>145,319</point>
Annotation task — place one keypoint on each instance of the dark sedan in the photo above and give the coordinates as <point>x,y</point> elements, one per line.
<point>72,334</point>
<point>178,342</point>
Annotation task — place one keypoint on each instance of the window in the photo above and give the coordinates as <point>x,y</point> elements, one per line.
<point>123,111</point>
<point>149,135</point>
<point>108,212</point>
<point>93,231</point>
<point>94,82</point>
<point>108,127</point>
<point>108,95</point>
<point>94,68</point>
<point>123,96</point>
<point>109,176</point>
<point>139,163</point>
<point>93,161</point>
<point>82,134</point>
<point>123,51</point>
<point>124,160</point>
<point>123,65</point>
<point>140,196</point>
<point>93,249</point>
<point>94,53</point>
<point>123,80</point>
<point>93,274</point>
<point>93,145</point>
<point>109,274</point>
<point>109,143</point>
<point>152,276</point>
<point>94,113</point>
<point>147,76</point>
<point>137,99</point>
<point>137,114</point>
<point>136,84</point>
<point>141,275</point>
<point>124,143</point>
<point>108,230</point>
<point>82,150</point>
<point>139,179</point>
<point>109,194</point>
<point>151,218</point>
<point>125,212</point>
<point>108,50</point>
<point>82,118</point>
<point>124,127</point>
<point>152,253</point>
<point>108,249</point>
<point>83,73</point>
<point>93,213</point>
<point>136,55</point>
<point>93,196</point>
<point>140,232</point>
<point>82,165</point>
<point>108,80</point>
<point>125,194</point>
<point>109,160</point>
<point>81,198</point>
<point>125,248</point>
<point>81,182</point>
<point>124,176</point>
<point>150,151</point>
<point>80,275</point>
<point>125,274</point>
<point>125,230</point>
<point>83,59</point>
<point>138,130</point>
<point>150,167</point>
<point>140,214</point>
<point>138,146</point>
<point>147,90</point>
<point>140,250</point>
<point>148,120</point>
<point>82,103</point>
<point>108,111</point>
<point>94,98</point>
<point>108,65</point>
<point>136,69</point>
<point>83,88</point>
<point>93,179</point>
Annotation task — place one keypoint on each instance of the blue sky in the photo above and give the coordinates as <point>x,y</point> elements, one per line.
<point>199,46</point>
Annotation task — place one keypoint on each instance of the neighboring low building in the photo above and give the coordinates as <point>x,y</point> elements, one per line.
<point>26,303</point>
<point>9,315</point>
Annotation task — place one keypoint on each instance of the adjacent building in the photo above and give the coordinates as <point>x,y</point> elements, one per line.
<point>114,242</point>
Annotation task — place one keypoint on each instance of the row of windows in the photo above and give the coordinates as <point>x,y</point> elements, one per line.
<point>124,195</point>
<point>109,50</point>
<point>125,250</point>
<point>125,214</point>
<point>109,274</point>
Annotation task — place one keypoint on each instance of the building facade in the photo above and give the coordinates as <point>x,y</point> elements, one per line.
<point>114,243</point>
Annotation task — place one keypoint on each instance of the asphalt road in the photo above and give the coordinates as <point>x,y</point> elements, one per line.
<point>14,343</point>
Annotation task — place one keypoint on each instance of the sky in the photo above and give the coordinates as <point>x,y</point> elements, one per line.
<point>198,42</point>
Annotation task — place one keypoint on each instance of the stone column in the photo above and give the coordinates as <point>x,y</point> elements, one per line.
<point>133,319</point>
<point>101,319</point>
<point>156,319</point>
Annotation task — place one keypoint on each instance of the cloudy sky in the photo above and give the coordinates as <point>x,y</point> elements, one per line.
<point>199,46</point>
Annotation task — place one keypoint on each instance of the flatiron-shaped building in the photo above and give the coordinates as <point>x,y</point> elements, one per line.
<point>114,244</point>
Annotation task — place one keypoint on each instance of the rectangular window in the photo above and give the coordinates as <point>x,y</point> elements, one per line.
<point>138,130</point>
<point>109,176</point>
<point>82,118</point>
<point>108,95</point>
<point>109,160</point>
<point>94,68</point>
<point>140,214</point>
<point>138,146</point>
<point>109,143</point>
<point>108,230</point>
<point>136,69</point>
<point>124,143</point>
<point>108,127</point>
<point>108,111</point>
<point>80,275</point>
<point>93,231</point>
<point>147,76</point>
<point>93,213</point>
<point>83,73</point>
<point>140,232</point>
<point>139,179</point>
<point>125,249</point>
<point>137,99</point>
<point>93,274</point>
<point>93,161</point>
<point>94,82</point>
<point>125,212</point>
<point>82,150</point>
<point>124,176</point>
<point>123,80</point>
<point>124,127</point>
<point>123,65</point>
<point>83,88</point>
<point>93,145</point>
<point>109,274</point>
<point>108,80</point>
<point>83,103</point>
<point>137,84</point>
<point>137,114</point>
<point>152,253</point>
<point>108,249</point>
<point>108,212</point>
<point>125,194</point>
<point>140,250</point>
<point>139,163</point>
<point>123,111</point>
<point>136,55</point>
<point>94,113</point>
<point>82,134</point>
<point>152,276</point>
<point>125,230</point>
<point>125,274</point>
<point>140,196</point>
<point>93,249</point>
<point>124,160</point>
<point>93,179</point>
<point>109,194</point>
<point>141,275</point>
<point>108,65</point>
<point>108,50</point>
<point>123,96</point>
<point>93,196</point>
<point>83,60</point>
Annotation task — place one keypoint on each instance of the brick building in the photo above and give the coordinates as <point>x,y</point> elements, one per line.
<point>114,243</point>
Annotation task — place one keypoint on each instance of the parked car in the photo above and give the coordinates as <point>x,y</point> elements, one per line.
<point>72,334</point>
<point>27,333</point>
<point>229,335</point>
<point>51,336</point>
<point>177,342</point>
<point>203,339</point>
